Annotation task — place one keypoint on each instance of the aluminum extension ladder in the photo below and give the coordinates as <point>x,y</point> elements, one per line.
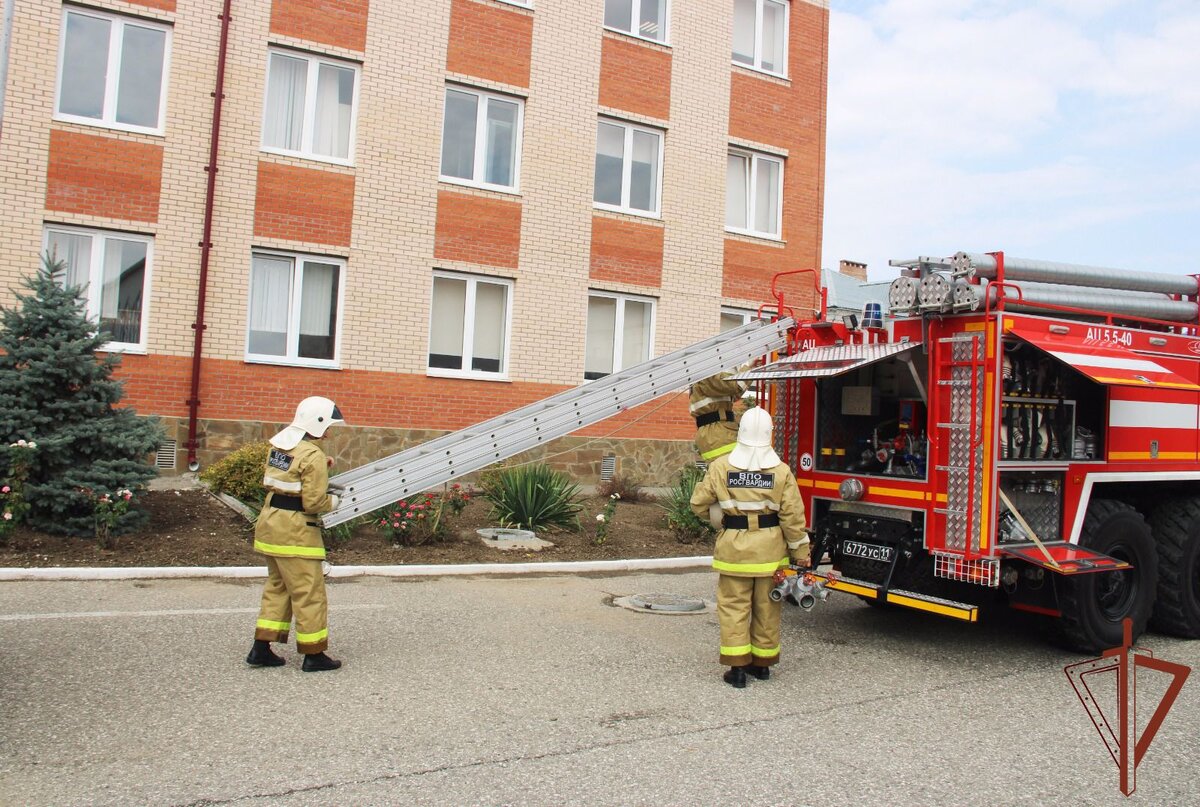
<point>456,454</point>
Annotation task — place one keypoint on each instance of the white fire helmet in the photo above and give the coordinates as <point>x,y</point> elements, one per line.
<point>313,416</point>
<point>753,451</point>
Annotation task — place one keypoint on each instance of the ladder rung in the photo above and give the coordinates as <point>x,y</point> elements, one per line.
<point>955,383</point>
<point>946,339</point>
<point>954,425</point>
<point>953,467</point>
<point>950,512</point>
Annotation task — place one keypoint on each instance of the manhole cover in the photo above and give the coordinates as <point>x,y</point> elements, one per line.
<point>663,604</point>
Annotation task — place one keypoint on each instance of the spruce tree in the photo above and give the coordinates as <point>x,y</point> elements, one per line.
<point>55,390</point>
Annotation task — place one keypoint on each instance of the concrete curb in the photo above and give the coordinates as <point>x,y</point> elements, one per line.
<point>229,572</point>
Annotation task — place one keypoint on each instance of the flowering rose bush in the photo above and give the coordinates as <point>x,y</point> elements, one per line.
<point>13,506</point>
<point>421,519</point>
<point>605,517</point>
<point>107,509</point>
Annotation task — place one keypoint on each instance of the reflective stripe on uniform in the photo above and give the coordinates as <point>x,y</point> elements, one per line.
<point>281,485</point>
<point>703,402</point>
<point>740,650</point>
<point>312,638</point>
<point>764,652</point>
<point>734,504</point>
<point>291,551</point>
<point>268,624</point>
<point>717,452</point>
<point>798,544</point>
<point>749,568</point>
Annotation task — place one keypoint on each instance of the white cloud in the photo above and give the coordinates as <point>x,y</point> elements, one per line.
<point>1044,129</point>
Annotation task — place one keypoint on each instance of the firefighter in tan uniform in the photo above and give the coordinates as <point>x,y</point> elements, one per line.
<point>288,532</point>
<point>763,526</point>
<point>711,404</point>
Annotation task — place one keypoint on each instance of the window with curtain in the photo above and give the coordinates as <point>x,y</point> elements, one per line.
<point>468,325</point>
<point>642,18</point>
<point>111,271</point>
<point>112,70</point>
<point>294,305</point>
<point>628,167</point>
<point>760,35</point>
<point>310,106</point>
<point>481,136</point>
<point>753,194</point>
<point>620,333</point>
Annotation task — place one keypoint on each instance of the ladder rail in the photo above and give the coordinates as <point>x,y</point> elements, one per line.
<point>748,332</point>
<point>456,454</point>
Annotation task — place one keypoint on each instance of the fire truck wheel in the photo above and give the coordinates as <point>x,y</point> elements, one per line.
<point>1176,528</point>
<point>1094,606</point>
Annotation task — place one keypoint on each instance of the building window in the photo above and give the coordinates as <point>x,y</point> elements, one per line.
<point>469,325</point>
<point>521,3</point>
<point>646,19</point>
<point>481,139</point>
<point>112,271</point>
<point>735,318</point>
<point>295,309</point>
<point>310,107</point>
<point>111,71</point>
<point>754,188</point>
<point>628,168</point>
<point>760,35</point>
<point>620,333</point>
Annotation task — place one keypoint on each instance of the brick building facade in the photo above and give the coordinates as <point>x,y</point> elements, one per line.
<point>430,212</point>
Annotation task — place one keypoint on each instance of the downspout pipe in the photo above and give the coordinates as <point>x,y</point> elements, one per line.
<point>199,326</point>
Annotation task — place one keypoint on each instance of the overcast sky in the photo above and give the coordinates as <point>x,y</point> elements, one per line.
<point>1060,129</point>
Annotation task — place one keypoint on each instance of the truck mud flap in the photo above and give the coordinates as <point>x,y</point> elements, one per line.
<point>906,599</point>
<point>1068,559</point>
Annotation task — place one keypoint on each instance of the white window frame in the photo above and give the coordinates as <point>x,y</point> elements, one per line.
<point>619,327</point>
<point>469,328</point>
<point>758,34</point>
<point>295,290</point>
<point>310,107</point>
<point>627,170</point>
<point>518,3</point>
<point>116,42</point>
<point>480,167</point>
<point>752,195</point>
<point>635,13</point>
<point>745,314</point>
<point>96,278</point>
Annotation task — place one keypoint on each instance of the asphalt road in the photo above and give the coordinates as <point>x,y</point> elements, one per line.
<point>538,691</point>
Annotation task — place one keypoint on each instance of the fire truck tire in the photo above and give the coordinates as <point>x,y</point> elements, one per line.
<point>1094,606</point>
<point>1176,529</point>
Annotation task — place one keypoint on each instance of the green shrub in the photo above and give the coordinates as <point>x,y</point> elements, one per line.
<point>532,497</point>
<point>240,474</point>
<point>677,504</point>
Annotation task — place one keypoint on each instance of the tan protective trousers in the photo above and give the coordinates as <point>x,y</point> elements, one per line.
<point>749,621</point>
<point>295,586</point>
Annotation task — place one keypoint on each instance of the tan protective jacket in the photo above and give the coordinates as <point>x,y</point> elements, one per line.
<point>715,394</point>
<point>753,552</point>
<point>302,472</point>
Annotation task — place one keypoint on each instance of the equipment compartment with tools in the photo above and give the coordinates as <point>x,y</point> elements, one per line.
<point>1049,411</point>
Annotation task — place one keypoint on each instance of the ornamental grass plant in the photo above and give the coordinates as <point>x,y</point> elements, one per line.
<point>677,503</point>
<point>532,497</point>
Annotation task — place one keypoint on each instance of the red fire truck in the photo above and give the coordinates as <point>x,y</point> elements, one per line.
<point>1015,432</point>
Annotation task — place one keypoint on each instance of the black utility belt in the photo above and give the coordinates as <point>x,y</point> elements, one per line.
<point>282,501</point>
<point>713,417</point>
<point>743,522</point>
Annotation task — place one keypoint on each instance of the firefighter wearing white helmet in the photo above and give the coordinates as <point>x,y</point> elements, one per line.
<point>762,528</point>
<point>288,532</point>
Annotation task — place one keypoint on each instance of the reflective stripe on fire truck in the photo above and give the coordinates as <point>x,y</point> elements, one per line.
<point>317,552</point>
<point>965,614</point>
<point>716,452</point>
<point>749,568</point>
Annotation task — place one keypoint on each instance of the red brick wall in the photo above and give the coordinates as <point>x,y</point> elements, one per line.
<point>478,229</point>
<point>490,42</point>
<point>303,204</point>
<point>635,78</point>
<point>626,252</point>
<point>103,176</point>
<point>340,23</point>
<point>234,390</point>
<point>790,116</point>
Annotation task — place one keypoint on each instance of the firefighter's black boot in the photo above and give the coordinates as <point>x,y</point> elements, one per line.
<point>761,673</point>
<point>261,655</point>
<point>736,677</point>
<point>319,662</point>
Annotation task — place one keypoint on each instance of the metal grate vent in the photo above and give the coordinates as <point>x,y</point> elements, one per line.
<point>165,456</point>
<point>608,468</point>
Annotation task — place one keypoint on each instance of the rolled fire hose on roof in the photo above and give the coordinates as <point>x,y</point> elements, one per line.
<point>984,266</point>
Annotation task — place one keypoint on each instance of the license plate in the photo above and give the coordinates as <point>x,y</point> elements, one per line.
<point>857,549</point>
